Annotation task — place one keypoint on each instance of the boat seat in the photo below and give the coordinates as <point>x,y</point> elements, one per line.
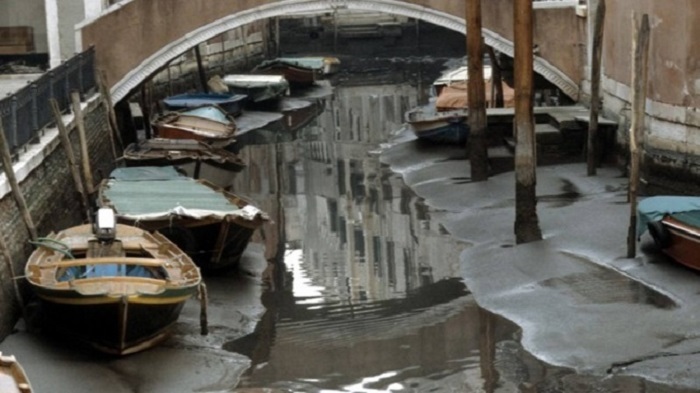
<point>99,250</point>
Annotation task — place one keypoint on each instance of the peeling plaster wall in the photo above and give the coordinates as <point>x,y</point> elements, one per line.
<point>672,136</point>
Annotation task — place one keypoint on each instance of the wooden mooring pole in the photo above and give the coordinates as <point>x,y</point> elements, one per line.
<point>592,157</point>
<point>640,50</point>
<point>527,228</point>
<point>111,116</point>
<point>68,148</point>
<point>6,156</point>
<point>476,96</point>
<point>84,155</point>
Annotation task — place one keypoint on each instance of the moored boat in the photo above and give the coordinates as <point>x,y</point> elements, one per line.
<point>117,287</point>
<point>13,379</point>
<point>197,159</point>
<point>208,123</point>
<point>231,103</point>
<point>327,65</point>
<point>295,71</point>
<point>211,224</point>
<point>674,224</point>
<point>444,127</point>
<point>258,87</point>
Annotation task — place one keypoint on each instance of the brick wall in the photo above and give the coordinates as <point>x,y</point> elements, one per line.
<point>52,199</point>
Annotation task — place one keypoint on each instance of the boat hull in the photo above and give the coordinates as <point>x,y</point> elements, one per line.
<point>681,242</point>
<point>197,160</point>
<point>442,127</point>
<point>295,75</point>
<point>114,326</point>
<point>212,246</point>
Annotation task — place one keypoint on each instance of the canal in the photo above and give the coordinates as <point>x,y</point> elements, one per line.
<point>354,287</point>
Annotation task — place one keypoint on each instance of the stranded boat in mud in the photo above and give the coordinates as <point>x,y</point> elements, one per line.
<point>211,225</point>
<point>429,124</point>
<point>116,287</point>
<point>197,159</point>
<point>674,224</point>
<point>230,103</point>
<point>208,123</point>
<point>13,379</point>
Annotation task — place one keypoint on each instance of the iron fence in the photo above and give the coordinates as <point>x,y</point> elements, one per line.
<point>27,112</point>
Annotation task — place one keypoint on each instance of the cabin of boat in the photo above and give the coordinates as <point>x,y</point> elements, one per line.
<point>117,287</point>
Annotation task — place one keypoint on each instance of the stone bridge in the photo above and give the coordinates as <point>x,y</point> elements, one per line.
<point>136,38</point>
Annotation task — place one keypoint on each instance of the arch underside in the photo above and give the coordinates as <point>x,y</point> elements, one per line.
<point>176,48</point>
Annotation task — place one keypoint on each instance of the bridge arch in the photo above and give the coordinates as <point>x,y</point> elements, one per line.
<point>161,57</point>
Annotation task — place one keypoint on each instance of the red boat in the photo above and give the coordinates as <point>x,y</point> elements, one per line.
<point>674,224</point>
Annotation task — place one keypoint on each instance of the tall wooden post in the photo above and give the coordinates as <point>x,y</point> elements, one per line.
<point>497,79</point>
<point>527,227</point>
<point>6,157</point>
<point>84,154</point>
<point>640,49</point>
<point>592,159</point>
<point>478,147</point>
<point>200,70</point>
<point>73,165</point>
<point>106,96</point>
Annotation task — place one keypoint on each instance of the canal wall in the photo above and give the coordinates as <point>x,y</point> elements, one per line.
<point>45,180</point>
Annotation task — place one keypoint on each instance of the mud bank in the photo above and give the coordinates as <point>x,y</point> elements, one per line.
<point>581,303</point>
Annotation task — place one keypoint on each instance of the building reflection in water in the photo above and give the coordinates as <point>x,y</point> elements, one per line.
<point>363,290</point>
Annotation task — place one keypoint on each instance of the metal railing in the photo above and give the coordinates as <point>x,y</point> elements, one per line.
<point>25,113</point>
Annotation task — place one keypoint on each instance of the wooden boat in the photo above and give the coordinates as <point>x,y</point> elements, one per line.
<point>116,287</point>
<point>13,379</point>
<point>208,123</point>
<point>451,90</point>
<point>325,65</point>
<point>231,103</point>
<point>196,158</point>
<point>674,224</point>
<point>297,72</point>
<point>443,127</point>
<point>258,87</point>
<point>212,225</point>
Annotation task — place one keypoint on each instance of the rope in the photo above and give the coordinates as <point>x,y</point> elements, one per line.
<point>53,244</point>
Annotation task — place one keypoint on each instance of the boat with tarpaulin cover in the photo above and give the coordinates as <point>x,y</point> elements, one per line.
<point>673,223</point>
<point>211,224</point>
<point>116,287</point>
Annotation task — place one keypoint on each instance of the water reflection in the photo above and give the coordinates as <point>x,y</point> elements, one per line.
<point>363,290</point>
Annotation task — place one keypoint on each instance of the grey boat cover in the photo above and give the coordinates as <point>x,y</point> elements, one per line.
<point>153,193</point>
<point>683,208</point>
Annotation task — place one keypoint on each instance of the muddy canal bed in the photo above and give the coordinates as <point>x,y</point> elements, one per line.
<point>357,286</point>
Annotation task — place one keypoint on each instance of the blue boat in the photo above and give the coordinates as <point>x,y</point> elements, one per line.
<point>231,103</point>
<point>442,127</point>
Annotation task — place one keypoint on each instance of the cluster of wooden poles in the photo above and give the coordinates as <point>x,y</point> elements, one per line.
<point>526,221</point>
